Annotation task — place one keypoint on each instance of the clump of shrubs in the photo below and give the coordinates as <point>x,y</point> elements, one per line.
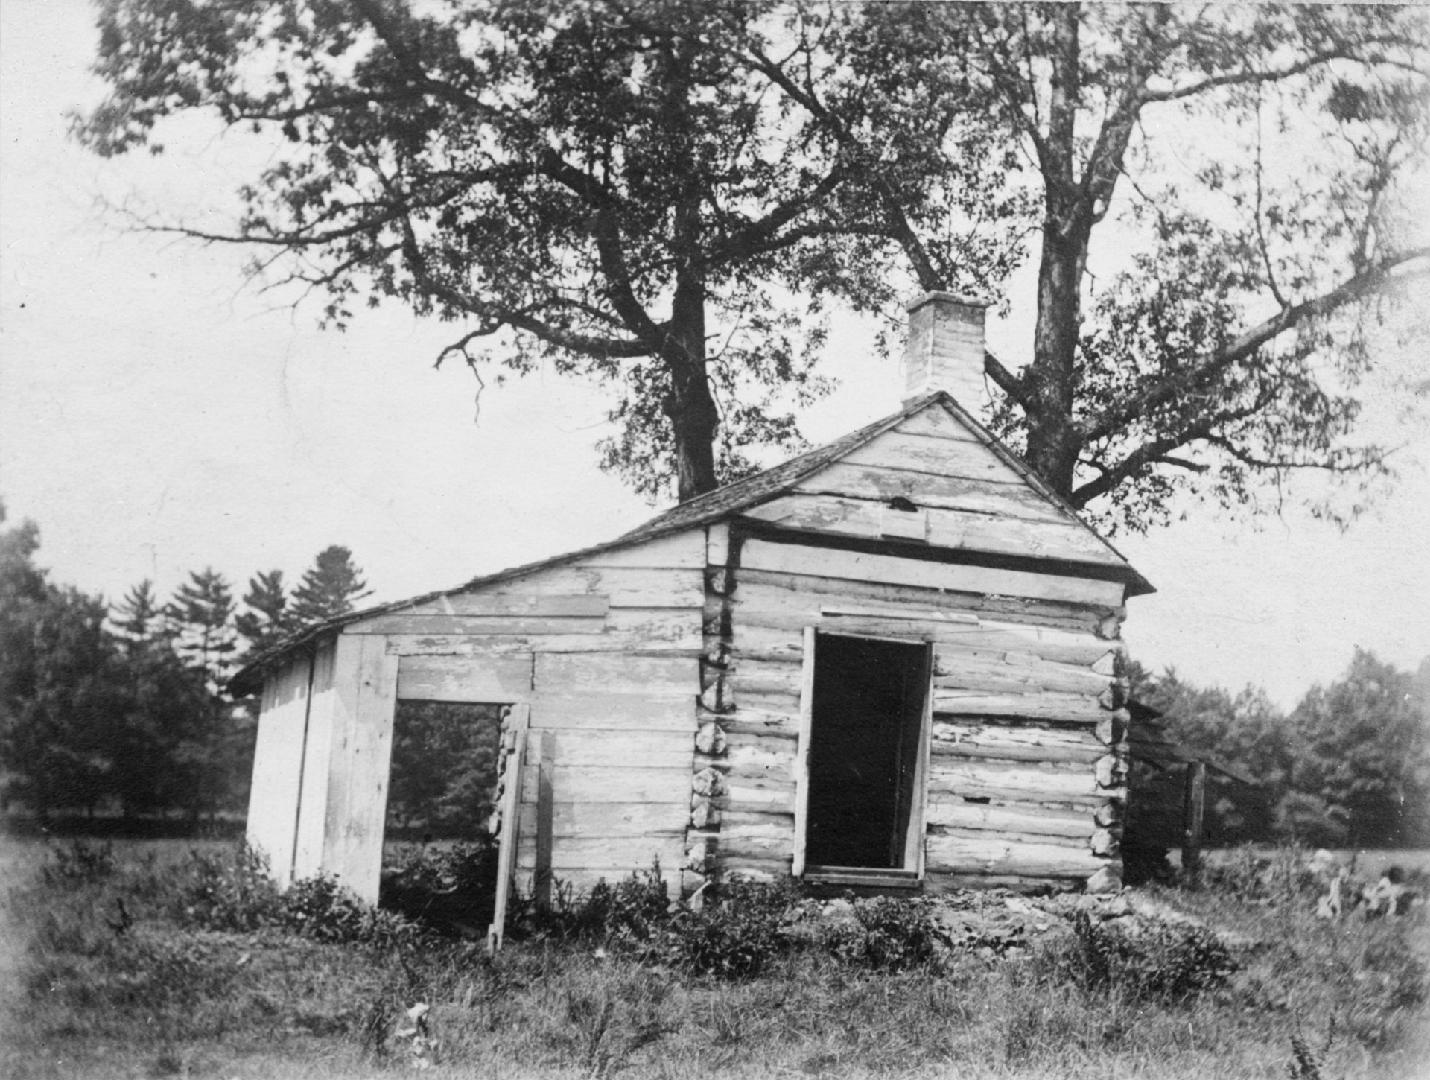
<point>886,934</point>
<point>79,865</point>
<point>736,935</point>
<point>1149,960</point>
<point>233,892</point>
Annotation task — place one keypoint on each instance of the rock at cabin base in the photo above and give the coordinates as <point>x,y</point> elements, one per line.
<point>1106,880</point>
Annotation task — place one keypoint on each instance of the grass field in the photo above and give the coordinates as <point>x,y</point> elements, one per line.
<point>108,972</point>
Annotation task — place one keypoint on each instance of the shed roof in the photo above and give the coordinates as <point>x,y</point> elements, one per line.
<point>725,502</point>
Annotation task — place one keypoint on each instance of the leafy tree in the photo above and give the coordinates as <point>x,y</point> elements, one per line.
<point>56,701</point>
<point>329,588</point>
<point>444,768</point>
<point>1365,752</point>
<point>268,619</point>
<point>201,617</point>
<point>1254,161</point>
<point>618,188</point>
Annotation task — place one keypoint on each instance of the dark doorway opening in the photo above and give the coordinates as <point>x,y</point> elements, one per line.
<point>865,733</point>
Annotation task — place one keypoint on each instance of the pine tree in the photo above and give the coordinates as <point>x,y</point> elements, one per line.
<point>202,616</point>
<point>331,587</point>
<point>268,618</point>
<point>139,620</point>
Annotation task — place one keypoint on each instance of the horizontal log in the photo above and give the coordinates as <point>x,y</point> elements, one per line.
<point>744,797</point>
<point>1016,742</point>
<point>756,678</point>
<point>953,813</point>
<point>758,819</point>
<point>806,560</point>
<point>958,666</point>
<point>747,720</point>
<point>987,854</point>
<point>750,868</point>
<point>783,601</point>
<point>1081,842</point>
<point>464,679</point>
<point>1011,781</point>
<point>1067,708</point>
<point>755,847</point>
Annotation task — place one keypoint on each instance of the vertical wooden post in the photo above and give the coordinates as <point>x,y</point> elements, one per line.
<point>801,759</point>
<point>1193,803</point>
<point>519,717</point>
<point>545,823</point>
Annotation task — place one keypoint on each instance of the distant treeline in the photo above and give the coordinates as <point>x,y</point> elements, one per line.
<point>122,710</point>
<point>1349,766</point>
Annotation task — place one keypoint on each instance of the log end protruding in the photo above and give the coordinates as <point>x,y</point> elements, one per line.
<point>1106,880</point>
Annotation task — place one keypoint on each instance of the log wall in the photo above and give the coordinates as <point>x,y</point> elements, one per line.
<point>1027,760</point>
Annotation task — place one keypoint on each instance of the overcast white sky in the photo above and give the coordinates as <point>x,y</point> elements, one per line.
<point>157,416</point>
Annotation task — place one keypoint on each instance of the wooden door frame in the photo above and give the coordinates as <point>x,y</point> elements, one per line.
<point>914,846</point>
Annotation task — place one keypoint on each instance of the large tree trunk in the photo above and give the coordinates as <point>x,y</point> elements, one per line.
<point>1053,442</point>
<point>689,405</point>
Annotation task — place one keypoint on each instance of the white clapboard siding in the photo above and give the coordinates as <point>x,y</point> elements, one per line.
<point>941,456</point>
<point>574,590</point>
<point>622,712</point>
<point>683,550</point>
<point>313,821</point>
<point>607,747</point>
<point>626,631</point>
<point>530,603</point>
<point>889,569</point>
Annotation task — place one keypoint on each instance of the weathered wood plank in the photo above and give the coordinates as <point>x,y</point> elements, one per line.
<point>365,689</point>
<point>596,784</point>
<point>630,819</point>
<point>595,711</point>
<point>622,586</point>
<point>646,676</point>
<point>717,544</point>
<point>505,625</point>
<point>684,550</point>
<point>499,679</point>
<point>277,766</point>
<point>953,813</point>
<point>928,490</point>
<point>317,755</point>
<point>803,560</point>
<point>940,456</point>
<point>513,604</point>
<point>635,853</point>
<point>938,423</point>
<point>989,854</point>
<point>670,748</point>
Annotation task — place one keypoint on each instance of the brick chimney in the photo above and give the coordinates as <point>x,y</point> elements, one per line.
<point>945,348</point>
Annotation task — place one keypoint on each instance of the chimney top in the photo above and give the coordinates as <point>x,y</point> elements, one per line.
<point>944,350</point>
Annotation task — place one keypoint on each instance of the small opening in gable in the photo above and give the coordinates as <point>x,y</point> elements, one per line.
<point>980,800</point>
<point>898,502</point>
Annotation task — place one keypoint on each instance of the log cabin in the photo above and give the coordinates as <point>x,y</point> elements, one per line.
<point>893,661</point>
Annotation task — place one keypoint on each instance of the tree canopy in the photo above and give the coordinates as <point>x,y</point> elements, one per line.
<point>617,188</point>
<point>627,190</point>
